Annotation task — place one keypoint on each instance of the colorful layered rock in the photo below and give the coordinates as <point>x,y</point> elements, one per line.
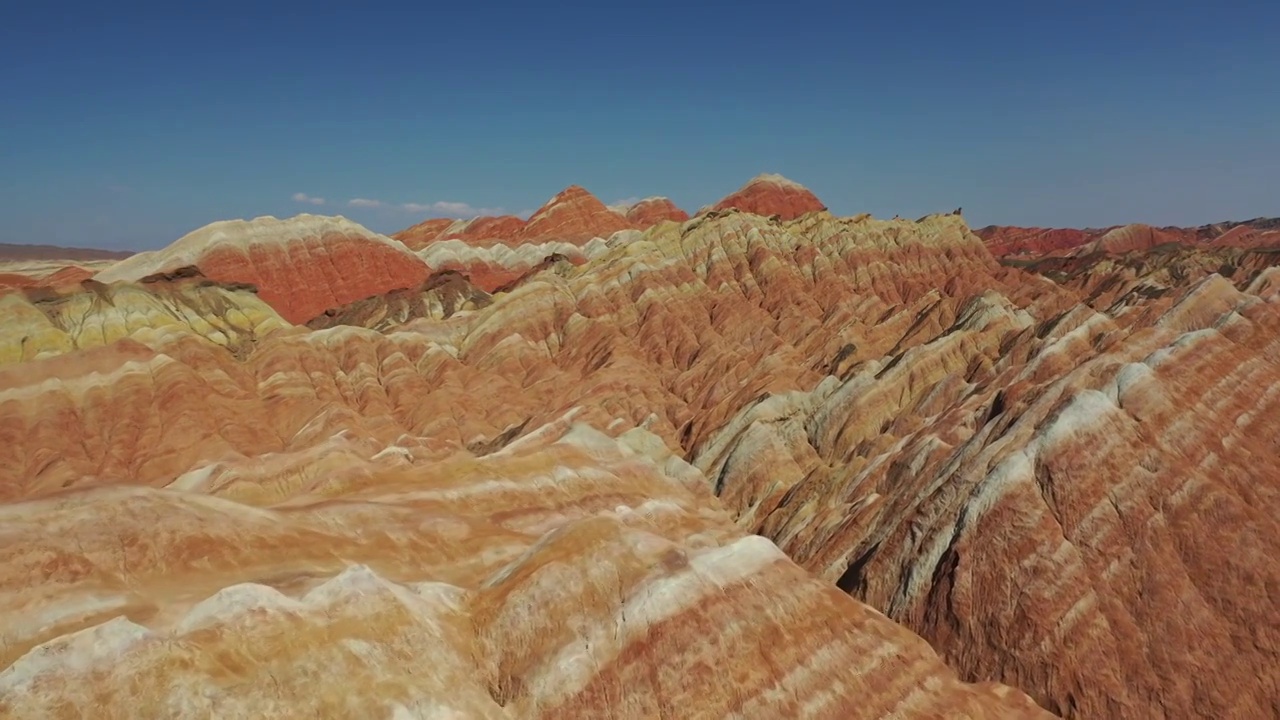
<point>301,266</point>
<point>740,465</point>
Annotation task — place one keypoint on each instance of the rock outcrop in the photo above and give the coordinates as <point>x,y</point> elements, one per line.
<point>60,279</point>
<point>40,322</point>
<point>479,231</point>
<point>573,216</point>
<point>651,211</point>
<point>966,480</point>
<point>770,194</point>
<point>12,252</point>
<point>1005,241</point>
<point>567,575</point>
<point>301,266</point>
<point>443,294</point>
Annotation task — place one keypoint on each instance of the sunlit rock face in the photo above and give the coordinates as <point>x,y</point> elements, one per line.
<point>1011,241</point>
<point>443,294</point>
<point>41,322</point>
<point>573,215</point>
<point>975,485</point>
<point>497,253</point>
<point>770,194</point>
<point>1022,241</point>
<point>651,211</point>
<point>480,231</point>
<point>61,278</point>
<point>568,574</point>
<point>301,266</point>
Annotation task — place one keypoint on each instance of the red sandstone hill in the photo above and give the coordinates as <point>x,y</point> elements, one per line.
<point>10,251</point>
<point>480,231</point>
<point>859,467</point>
<point>1005,240</point>
<point>772,195</point>
<point>575,216</point>
<point>301,266</point>
<point>651,211</point>
<point>58,279</point>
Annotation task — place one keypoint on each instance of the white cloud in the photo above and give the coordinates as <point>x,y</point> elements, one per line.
<point>625,202</point>
<point>455,208</point>
<point>305,198</point>
<point>445,208</point>
<point>441,208</point>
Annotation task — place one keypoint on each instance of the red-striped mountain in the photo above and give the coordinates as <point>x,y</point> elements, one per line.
<point>301,266</point>
<point>573,215</point>
<point>771,194</point>
<point>651,211</point>
<point>1009,240</point>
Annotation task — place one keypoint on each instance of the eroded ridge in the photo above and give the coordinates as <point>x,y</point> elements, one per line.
<point>1062,478</point>
<point>569,574</point>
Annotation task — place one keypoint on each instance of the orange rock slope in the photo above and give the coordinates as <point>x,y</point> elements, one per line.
<point>495,252</point>
<point>1033,242</point>
<point>1054,480</point>
<point>770,194</point>
<point>651,211</point>
<point>302,266</point>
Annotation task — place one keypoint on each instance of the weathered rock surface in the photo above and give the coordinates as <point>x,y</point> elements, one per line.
<point>40,322</point>
<point>1004,240</point>
<point>1017,241</point>
<point>480,231</point>
<point>1060,476</point>
<point>770,194</point>
<point>14,252</point>
<point>567,575</point>
<point>443,294</point>
<point>574,216</point>
<point>9,281</point>
<point>301,266</point>
<point>60,279</point>
<point>651,211</point>
<point>498,252</point>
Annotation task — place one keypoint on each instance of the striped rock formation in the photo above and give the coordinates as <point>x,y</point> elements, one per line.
<point>1004,241</point>
<point>771,194</point>
<point>653,210</point>
<point>40,322</point>
<point>496,252</point>
<point>539,507</point>
<point>443,294</point>
<point>61,278</point>
<point>301,266</point>
<point>567,575</point>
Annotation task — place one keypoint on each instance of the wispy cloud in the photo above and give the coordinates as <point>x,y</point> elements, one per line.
<point>305,198</point>
<point>625,202</point>
<point>442,208</point>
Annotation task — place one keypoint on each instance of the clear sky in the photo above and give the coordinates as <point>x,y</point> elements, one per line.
<point>127,124</point>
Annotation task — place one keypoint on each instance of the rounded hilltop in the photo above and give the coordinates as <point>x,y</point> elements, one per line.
<point>771,194</point>
<point>301,265</point>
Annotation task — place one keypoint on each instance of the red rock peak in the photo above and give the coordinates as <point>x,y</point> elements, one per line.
<point>651,211</point>
<point>573,215</point>
<point>770,194</point>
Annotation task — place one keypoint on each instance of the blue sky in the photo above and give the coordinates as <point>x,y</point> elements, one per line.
<point>129,124</point>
